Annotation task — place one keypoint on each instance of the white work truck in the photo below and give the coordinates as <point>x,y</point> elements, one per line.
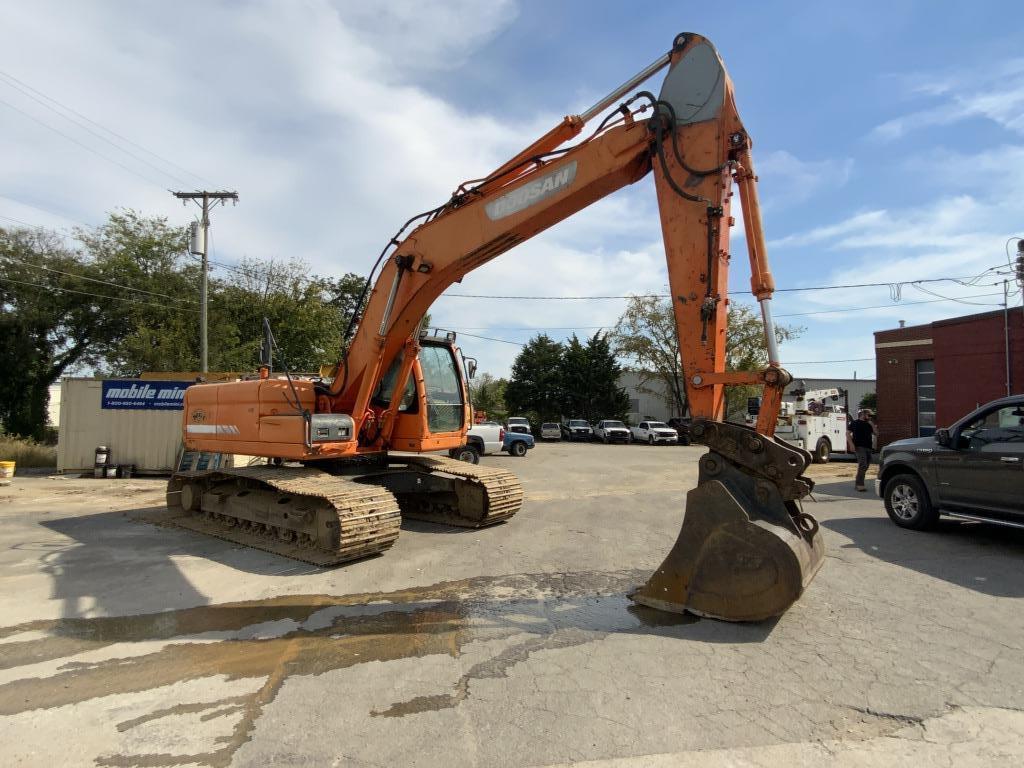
<point>816,422</point>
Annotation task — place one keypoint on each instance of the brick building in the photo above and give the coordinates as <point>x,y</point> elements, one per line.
<point>928,376</point>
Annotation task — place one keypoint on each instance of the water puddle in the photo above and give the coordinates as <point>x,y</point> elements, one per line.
<point>312,634</point>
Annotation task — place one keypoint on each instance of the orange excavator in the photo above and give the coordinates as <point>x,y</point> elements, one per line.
<point>345,455</point>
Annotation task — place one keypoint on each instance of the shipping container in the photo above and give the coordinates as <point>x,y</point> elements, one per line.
<point>139,420</point>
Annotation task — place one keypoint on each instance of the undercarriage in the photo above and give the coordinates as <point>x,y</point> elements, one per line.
<point>339,512</point>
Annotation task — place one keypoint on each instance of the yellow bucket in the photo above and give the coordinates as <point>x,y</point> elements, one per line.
<point>6,472</point>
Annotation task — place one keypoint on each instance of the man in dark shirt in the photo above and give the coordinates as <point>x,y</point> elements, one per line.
<point>862,430</point>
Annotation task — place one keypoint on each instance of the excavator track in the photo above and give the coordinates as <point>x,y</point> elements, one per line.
<point>325,518</point>
<point>298,512</point>
<point>452,492</point>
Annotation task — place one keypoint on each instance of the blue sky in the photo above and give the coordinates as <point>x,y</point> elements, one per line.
<point>889,140</point>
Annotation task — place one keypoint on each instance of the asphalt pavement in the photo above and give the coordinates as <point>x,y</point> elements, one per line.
<point>125,643</point>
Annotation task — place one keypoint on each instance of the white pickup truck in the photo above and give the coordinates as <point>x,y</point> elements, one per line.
<point>611,431</point>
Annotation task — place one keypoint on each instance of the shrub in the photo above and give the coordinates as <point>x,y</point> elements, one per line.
<point>27,453</point>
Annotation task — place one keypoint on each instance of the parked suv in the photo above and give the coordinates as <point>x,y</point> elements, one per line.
<point>610,431</point>
<point>576,429</point>
<point>550,430</point>
<point>973,470</point>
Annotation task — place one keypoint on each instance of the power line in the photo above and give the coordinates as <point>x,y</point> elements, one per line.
<point>787,362</point>
<point>97,295</point>
<point>490,338</point>
<point>100,136</point>
<point>108,130</point>
<point>609,326</point>
<point>44,210</point>
<point>97,280</point>
<point>883,306</point>
<point>21,223</point>
<point>948,298</point>
<point>668,295</point>
<point>83,146</point>
<point>814,362</point>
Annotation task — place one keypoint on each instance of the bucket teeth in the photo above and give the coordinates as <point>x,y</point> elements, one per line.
<point>744,552</point>
<point>726,566</point>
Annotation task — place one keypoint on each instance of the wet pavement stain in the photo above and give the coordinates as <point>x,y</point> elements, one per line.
<point>310,635</point>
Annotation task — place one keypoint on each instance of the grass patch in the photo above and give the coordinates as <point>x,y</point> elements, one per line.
<point>27,453</point>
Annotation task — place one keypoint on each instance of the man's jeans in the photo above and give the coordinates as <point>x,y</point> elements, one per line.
<point>863,462</point>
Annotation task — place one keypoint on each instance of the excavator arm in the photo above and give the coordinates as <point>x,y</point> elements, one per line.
<point>695,153</point>
<point>745,551</point>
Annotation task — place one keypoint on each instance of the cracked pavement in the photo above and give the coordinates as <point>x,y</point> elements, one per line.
<point>508,646</point>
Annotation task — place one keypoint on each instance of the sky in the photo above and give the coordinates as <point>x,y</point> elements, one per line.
<point>888,138</point>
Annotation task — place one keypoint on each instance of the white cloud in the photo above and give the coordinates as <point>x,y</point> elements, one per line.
<point>994,93</point>
<point>322,116</point>
<point>954,235</point>
<point>789,180</point>
<point>310,111</point>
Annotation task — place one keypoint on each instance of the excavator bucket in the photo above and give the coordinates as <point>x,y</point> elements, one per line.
<point>745,551</point>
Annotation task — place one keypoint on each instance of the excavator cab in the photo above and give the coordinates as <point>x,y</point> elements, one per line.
<point>434,407</point>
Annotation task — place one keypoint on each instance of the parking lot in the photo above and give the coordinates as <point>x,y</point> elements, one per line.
<point>125,643</point>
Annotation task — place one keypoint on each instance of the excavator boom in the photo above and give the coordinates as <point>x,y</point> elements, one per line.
<point>745,551</point>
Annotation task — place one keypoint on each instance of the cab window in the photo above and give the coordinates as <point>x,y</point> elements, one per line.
<point>993,430</point>
<point>444,390</point>
<point>382,397</point>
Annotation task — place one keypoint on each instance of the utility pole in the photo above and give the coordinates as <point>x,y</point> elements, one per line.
<point>206,200</point>
<point>1006,333</point>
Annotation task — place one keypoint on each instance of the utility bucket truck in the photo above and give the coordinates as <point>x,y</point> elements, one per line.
<point>816,422</point>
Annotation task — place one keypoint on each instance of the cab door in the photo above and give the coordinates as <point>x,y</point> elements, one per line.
<point>433,412</point>
<point>986,471</point>
<point>442,389</point>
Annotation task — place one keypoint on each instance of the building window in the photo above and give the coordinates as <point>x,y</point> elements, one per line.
<point>925,398</point>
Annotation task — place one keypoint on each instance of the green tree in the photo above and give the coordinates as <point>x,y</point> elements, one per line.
<point>646,336</point>
<point>535,385</point>
<point>307,313</point>
<point>345,293</point>
<point>607,399</point>
<point>56,313</point>
<point>488,395</point>
<point>160,328</point>
<point>122,299</point>
<point>303,315</point>
<point>589,376</point>
<point>869,401</point>
<point>745,350</point>
<point>574,380</point>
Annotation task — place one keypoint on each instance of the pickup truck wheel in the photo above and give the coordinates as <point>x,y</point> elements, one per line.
<point>650,439</point>
<point>518,449</point>
<point>467,453</point>
<point>907,503</point>
<point>822,451</point>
